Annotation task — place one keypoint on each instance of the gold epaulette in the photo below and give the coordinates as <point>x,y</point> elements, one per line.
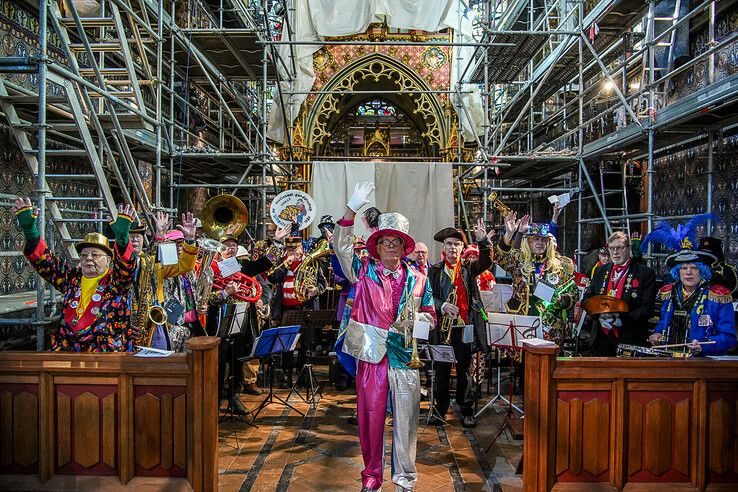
<point>665,292</point>
<point>719,294</point>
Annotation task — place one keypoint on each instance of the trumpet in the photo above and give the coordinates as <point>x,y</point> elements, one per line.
<point>249,289</point>
<point>497,203</point>
<point>406,321</point>
<point>448,320</point>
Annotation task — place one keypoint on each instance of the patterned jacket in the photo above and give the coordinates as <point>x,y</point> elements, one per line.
<point>104,326</point>
<point>522,300</point>
<point>370,334</point>
<point>711,317</point>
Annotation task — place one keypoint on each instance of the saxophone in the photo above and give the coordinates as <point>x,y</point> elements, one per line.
<point>148,314</point>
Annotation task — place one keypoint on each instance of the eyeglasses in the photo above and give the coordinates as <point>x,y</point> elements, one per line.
<point>94,256</point>
<point>617,248</point>
<point>390,244</point>
<point>421,253</point>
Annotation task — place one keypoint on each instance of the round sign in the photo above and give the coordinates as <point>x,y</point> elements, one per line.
<point>293,206</point>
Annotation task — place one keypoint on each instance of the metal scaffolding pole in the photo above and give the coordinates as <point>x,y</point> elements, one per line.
<point>41,190</point>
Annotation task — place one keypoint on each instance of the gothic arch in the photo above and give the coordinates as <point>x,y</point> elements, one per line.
<point>376,69</point>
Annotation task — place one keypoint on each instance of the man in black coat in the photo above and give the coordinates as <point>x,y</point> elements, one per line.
<point>628,280</point>
<point>444,276</point>
<point>285,299</point>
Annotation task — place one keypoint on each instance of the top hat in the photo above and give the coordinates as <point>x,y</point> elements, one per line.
<point>539,229</point>
<point>94,240</point>
<point>139,227</point>
<point>391,224</point>
<point>712,245</point>
<point>690,256</point>
<point>448,232</point>
<point>326,221</point>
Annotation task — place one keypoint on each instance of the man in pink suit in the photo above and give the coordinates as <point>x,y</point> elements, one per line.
<point>390,299</point>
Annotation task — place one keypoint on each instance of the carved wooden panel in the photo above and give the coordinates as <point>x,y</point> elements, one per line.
<point>85,428</point>
<point>722,442</point>
<point>596,417</point>
<point>147,430</point>
<point>160,437</point>
<point>582,435</point>
<point>86,409</point>
<point>659,436</point>
<point>63,430</point>
<point>635,437</point>
<point>19,434</point>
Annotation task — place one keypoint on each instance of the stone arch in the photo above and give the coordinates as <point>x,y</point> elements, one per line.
<point>376,70</point>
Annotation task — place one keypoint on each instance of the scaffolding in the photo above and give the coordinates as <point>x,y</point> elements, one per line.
<point>573,91</point>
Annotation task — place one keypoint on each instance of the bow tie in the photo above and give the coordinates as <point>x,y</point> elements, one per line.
<point>387,272</point>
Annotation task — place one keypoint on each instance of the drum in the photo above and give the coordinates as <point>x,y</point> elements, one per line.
<point>637,351</point>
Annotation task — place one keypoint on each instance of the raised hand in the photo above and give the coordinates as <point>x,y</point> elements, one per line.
<point>188,226</point>
<point>480,231</point>
<point>121,225</point>
<point>161,223</point>
<point>283,232</point>
<point>27,217</point>
<point>360,196</point>
<point>524,223</point>
<point>511,226</point>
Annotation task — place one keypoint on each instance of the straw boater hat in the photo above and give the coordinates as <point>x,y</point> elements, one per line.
<point>94,240</point>
<point>391,224</point>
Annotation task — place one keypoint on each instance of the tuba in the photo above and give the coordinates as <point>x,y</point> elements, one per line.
<point>224,215</point>
<point>306,273</point>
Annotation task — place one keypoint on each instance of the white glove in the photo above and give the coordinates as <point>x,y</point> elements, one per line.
<point>361,195</point>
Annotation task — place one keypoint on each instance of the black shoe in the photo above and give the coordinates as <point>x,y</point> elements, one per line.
<point>436,421</point>
<point>468,421</point>
<point>285,382</point>
<point>342,386</point>
<point>237,406</point>
<point>251,389</point>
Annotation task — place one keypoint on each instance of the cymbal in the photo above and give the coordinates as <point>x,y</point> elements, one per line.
<point>604,304</point>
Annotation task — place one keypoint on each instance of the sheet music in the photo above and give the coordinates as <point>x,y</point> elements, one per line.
<point>498,329</point>
<point>495,300</point>
<point>294,343</point>
<point>152,352</point>
<point>229,267</point>
<point>525,327</point>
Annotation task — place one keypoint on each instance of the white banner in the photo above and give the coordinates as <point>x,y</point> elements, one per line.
<point>421,191</point>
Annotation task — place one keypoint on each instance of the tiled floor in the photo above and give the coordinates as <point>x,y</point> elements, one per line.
<point>320,452</point>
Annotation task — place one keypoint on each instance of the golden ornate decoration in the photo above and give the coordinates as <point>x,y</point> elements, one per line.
<point>378,144</point>
<point>375,67</point>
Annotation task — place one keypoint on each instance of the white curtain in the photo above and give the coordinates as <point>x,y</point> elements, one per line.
<point>421,191</point>
<point>315,19</point>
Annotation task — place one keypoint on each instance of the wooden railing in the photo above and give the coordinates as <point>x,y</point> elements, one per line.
<point>633,424</point>
<point>110,414</point>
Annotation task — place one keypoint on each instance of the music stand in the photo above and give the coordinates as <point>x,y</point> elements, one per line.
<point>433,353</point>
<point>274,341</point>
<point>229,331</point>
<point>508,331</point>
<point>308,321</point>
